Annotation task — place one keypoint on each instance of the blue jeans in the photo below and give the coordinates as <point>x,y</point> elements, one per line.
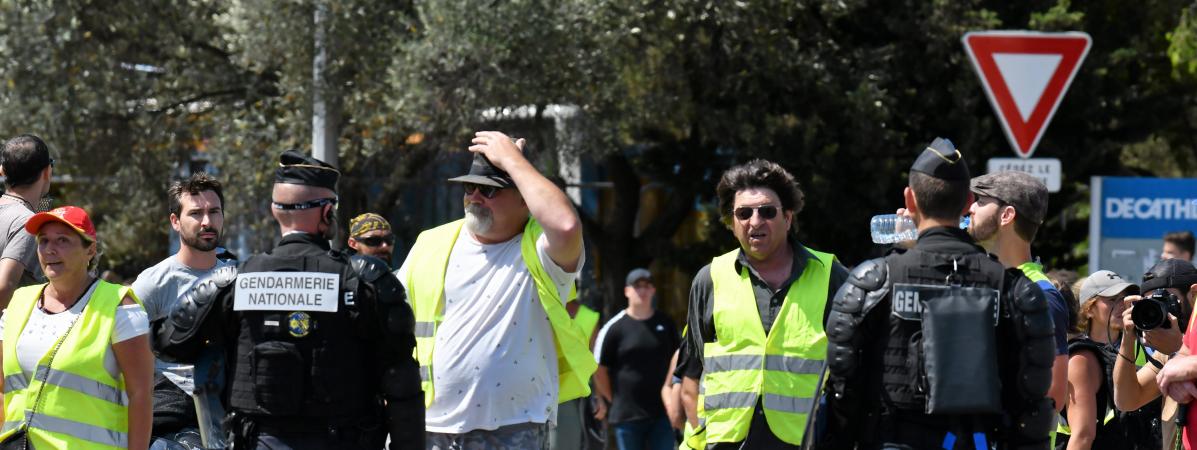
<point>645,434</point>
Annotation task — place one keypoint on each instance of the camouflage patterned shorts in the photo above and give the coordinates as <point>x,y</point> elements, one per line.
<point>521,436</point>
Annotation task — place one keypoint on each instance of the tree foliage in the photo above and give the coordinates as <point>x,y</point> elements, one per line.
<point>668,94</point>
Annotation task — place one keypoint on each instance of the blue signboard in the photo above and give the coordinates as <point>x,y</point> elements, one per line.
<point>1130,216</point>
<point>1147,207</point>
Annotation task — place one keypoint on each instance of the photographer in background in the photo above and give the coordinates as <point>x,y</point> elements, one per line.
<point>1158,317</point>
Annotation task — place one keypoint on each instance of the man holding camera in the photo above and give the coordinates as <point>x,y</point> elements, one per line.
<point>1159,318</point>
<point>1176,377</point>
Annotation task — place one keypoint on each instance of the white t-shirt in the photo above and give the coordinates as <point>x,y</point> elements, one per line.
<point>42,330</point>
<point>494,362</point>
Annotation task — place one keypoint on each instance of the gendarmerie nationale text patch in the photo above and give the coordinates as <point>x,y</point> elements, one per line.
<point>287,291</point>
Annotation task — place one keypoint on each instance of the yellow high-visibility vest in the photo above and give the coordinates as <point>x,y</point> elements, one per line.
<point>426,283</point>
<point>587,319</point>
<point>82,404</point>
<point>782,369</point>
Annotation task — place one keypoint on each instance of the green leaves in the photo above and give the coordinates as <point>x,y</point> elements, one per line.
<point>842,93</point>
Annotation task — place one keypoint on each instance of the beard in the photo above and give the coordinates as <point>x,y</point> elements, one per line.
<point>194,240</point>
<point>478,219</point>
<point>983,230</point>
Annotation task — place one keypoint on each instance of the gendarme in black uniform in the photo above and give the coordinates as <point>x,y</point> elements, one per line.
<point>309,333</point>
<point>939,346</point>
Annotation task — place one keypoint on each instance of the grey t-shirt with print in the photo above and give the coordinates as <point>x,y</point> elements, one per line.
<point>18,244</point>
<point>159,287</point>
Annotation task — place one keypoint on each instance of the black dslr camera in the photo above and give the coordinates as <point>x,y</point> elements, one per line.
<point>1152,311</point>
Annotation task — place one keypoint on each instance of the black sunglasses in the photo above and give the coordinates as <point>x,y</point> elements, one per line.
<point>767,212</point>
<point>51,162</point>
<point>304,205</point>
<point>486,191</point>
<point>377,241</point>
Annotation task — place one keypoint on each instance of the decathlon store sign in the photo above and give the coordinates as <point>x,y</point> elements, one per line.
<point>286,291</point>
<point>1143,208</point>
<point>1130,216</point>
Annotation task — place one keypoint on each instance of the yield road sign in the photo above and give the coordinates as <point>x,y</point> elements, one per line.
<point>1025,75</point>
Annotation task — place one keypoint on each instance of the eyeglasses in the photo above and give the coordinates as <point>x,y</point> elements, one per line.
<point>486,191</point>
<point>304,205</point>
<point>767,212</point>
<point>51,162</point>
<point>377,241</point>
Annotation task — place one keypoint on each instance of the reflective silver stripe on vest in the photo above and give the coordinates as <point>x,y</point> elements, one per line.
<point>10,425</point>
<point>724,363</point>
<point>83,385</point>
<point>424,373</point>
<point>729,400</point>
<point>15,383</point>
<point>797,405</point>
<point>80,430</point>
<point>115,372</point>
<point>425,329</point>
<point>793,365</point>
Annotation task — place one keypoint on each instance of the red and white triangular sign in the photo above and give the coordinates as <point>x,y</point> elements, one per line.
<point>1025,75</point>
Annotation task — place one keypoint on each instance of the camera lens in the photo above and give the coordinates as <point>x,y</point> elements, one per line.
<point>1148,314</point>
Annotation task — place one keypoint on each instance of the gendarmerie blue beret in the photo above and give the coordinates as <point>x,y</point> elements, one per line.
<point>942,160</point>
<point>297,168</point>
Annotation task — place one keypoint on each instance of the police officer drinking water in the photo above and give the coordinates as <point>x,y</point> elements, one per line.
<point>939,346</point>
<point>309,333</point>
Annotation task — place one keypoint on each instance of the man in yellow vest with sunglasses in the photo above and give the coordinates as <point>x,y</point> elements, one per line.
<point>497,348</point>
<point>752,362</point>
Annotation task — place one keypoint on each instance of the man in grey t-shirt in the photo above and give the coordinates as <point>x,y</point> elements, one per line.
<point>197,215</point>
<point>26,168</point>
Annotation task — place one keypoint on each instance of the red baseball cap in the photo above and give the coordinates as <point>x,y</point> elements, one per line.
<point>72,216</point>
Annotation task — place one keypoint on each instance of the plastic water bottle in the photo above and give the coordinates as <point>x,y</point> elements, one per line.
<point>892,228</point>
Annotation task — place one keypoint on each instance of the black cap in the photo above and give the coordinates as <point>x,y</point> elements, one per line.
<point>941,160</point>
<point>297,168</point>
<point>483,172</point>
<point>1169,273</point>
<point>638,274</point>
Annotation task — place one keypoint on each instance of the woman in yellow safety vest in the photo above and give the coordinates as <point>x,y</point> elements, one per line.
<point>78,372</point>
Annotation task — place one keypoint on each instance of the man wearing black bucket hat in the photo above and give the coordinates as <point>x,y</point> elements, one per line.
<point>497,349</point>
<point>939,346</point>
<point>308,332</point>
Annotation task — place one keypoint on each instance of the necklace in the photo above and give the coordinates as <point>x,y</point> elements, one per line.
<point>19,199</point>
<point>41,304</point>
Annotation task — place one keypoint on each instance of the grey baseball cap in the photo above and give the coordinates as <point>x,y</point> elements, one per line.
<point>1027,194</point>
<point>638,274</point>
<point>1106,284</point>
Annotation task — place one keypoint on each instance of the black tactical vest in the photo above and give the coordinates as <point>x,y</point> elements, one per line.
<point>306,364</point>
<point>1133,430</point>
<point>904,381</point>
